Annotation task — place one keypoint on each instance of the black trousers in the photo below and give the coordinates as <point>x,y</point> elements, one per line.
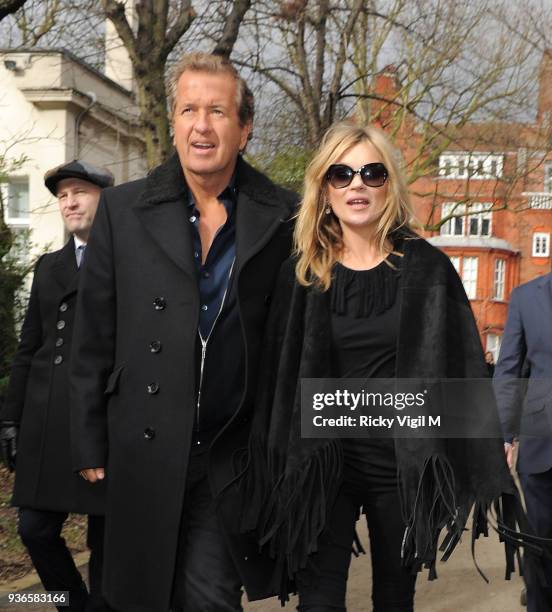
<point>40,532</point>
<point>537,490</point>
<point>322,585</point>
<point>206,579</point>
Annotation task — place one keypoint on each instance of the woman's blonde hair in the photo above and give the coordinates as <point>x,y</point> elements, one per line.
<point>318,239</point>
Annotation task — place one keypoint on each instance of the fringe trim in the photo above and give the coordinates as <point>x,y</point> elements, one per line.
<point>435,508</point>
<point>507,517</point>
<point>291,517</point>
<point>253,486</point>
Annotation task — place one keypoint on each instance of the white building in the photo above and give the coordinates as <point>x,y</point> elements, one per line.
<point>55,108</point>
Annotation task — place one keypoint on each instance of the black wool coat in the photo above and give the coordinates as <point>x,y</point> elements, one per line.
<point>38,394</point>
<point>134,406</point>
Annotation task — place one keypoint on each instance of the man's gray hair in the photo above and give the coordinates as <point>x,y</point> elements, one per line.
<point>214,64</point>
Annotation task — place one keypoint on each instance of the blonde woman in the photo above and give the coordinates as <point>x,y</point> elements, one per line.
<point>364,297</point>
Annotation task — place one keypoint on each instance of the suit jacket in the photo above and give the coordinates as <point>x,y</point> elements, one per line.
<point>526,408</point>
<point>134,407</point>
<point>38,393</point>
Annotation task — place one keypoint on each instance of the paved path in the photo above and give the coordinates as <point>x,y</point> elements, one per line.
<point>458,589</point>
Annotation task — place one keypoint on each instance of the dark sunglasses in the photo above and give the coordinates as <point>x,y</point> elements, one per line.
<point>372,175</point>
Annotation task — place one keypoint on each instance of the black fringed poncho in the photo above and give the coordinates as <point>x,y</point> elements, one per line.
<point>291,482</point>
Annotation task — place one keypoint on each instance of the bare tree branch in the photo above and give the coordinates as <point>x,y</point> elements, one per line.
<point>7,7</point>
<point>115,12</point>
<point>231,28</point>
<point>180,27</point>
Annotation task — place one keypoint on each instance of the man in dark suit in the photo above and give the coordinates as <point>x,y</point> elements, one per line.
<point>35,418</point>
<point>174,296</point>
<point>525,409</point>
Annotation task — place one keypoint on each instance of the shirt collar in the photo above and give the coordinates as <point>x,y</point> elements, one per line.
<point>227,196</point>
<point>78,242</point>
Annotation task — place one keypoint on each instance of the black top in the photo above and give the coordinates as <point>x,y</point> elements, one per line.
<point>365,317</point>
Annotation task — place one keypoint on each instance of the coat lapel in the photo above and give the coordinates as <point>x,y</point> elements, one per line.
<point>162,211</point>
<point>65,269</point>
<point>259,213</point>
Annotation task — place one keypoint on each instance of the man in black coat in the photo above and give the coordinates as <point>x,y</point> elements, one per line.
<point>35,419</point>
<point>174,296</point>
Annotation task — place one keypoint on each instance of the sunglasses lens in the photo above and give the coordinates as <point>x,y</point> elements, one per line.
<point>340,176</point>
<point>373,175</point>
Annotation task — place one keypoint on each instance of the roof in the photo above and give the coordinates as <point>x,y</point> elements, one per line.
<point>70,56</point>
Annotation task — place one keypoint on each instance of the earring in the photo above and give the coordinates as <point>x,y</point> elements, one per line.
<point>328,208</point>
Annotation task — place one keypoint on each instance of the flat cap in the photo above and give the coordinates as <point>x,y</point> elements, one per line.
<point>81,170</point>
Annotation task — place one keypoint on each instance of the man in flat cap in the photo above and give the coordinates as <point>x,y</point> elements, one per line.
<point>34,422</point>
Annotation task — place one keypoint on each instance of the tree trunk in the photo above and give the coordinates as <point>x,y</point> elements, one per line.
<point>154,118</point>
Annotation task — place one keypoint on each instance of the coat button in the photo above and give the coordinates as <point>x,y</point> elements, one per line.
<point>59,342</point>
<point>58,359</point>
<point>159,303</point>
<point>153,388</point>
<point>63,307</point>
<point>149,433</point>
<point>60,324</point>
<point>155,346</point>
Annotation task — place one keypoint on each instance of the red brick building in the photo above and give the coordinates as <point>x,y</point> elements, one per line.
<point>487,201</point>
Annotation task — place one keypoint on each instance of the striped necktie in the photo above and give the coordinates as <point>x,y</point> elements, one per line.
<point>80,254</point>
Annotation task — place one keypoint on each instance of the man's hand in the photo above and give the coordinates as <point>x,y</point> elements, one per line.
<point>9,430</point>
<point>509,450</point>
<point>93,474</point>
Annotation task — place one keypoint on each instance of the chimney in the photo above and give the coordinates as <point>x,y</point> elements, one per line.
<point>118,66</point>
<point>386,88</point>
<point>544,109</point>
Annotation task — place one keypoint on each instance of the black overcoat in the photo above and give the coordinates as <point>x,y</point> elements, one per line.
<point>38,393</point>
<point>134,406</point>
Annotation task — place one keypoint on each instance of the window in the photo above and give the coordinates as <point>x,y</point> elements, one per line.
<point>15,196</point>
<point>541,244</point>
<point>476,165</point>
<point>455,225</point>
<point>455,260</point>
<point>548,177</point>
<point>21,244</point>
<point>479,221</point>
<point>446,169</point>
<point>499,277</point>
<point>476,223</point>
<point>467,270</point>
<point>493,345</point>
<point>469,276</point>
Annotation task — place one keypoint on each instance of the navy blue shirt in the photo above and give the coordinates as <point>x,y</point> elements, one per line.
<point>213,275</point>
<point>220,382</point>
